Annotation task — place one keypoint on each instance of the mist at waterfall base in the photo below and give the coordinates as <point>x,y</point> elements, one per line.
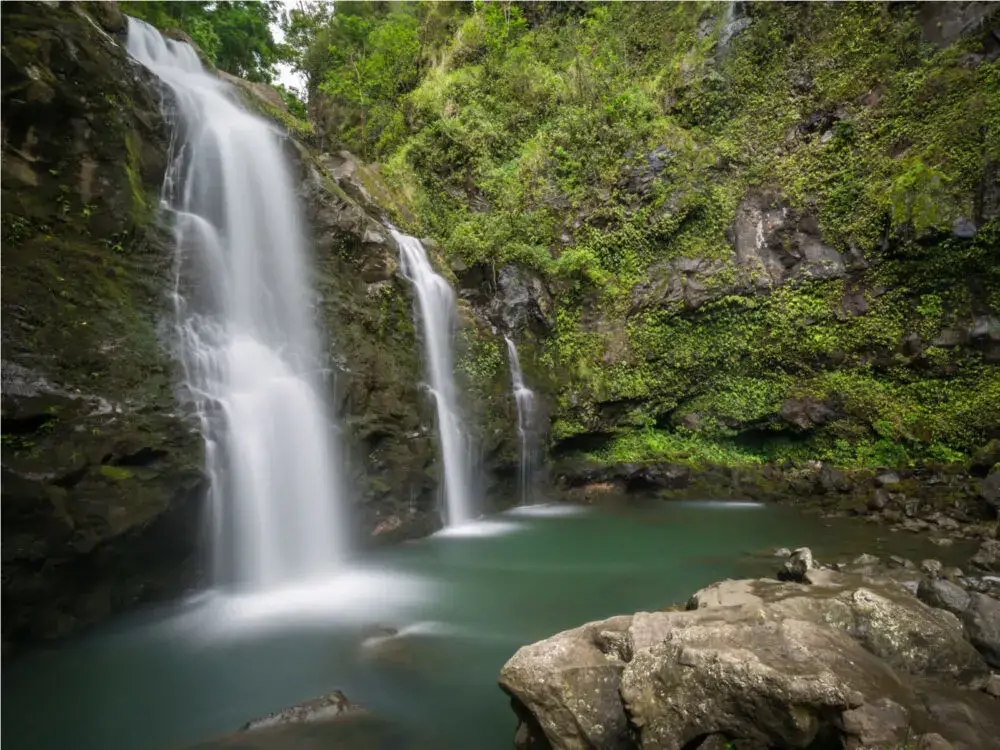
<point>247,340</point>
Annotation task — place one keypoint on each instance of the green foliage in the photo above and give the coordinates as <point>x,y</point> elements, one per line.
<point>602,144</point>
<point>659,445</point>
<point>235,35</point>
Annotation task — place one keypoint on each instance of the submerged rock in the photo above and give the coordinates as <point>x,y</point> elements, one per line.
<point>325,708</point>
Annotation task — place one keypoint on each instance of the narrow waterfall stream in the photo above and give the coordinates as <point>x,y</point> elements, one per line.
<point>436,303</point>
<point>524,397</point>
<point>248,342</point>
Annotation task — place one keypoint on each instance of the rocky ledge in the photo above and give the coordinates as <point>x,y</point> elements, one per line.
<point>853,655</point>
<point>946,502</point>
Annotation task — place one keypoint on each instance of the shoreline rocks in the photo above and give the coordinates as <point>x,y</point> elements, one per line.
<point>849,657</point>
<point>946,503</point>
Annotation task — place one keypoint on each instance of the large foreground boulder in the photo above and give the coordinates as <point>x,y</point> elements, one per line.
<point>845,661</point>
<point>772,684</point>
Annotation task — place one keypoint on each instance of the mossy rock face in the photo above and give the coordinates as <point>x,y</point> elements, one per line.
<point>102,474</point>
<point>367,310</point>
<point>735,211</point>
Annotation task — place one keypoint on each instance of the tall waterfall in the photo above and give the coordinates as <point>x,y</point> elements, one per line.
<point>524,397</point>
<point>436,303</point>
<point>248,342</point>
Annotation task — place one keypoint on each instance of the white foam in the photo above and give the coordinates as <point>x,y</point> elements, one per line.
<point>547,510</point>
<point>476,529</point>
<point>349,598</point>
<point>719,503</point>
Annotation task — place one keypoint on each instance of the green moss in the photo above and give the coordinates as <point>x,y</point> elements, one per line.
<point>659,445</point>
<point>596,145</point>
<point>143,209</point>
<point>115,473</point>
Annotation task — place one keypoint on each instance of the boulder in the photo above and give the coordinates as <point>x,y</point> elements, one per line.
<point>850,662</point>
<point>766,684</point>
<point>982,625</point>
<point>797,564</point>
<point>944,594</point>
<point>565,689</point>
<point>879,500</point>
<point>881,614</point>
<point>987,558</point>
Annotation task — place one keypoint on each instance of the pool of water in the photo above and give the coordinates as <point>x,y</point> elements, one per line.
<point>463,601</point>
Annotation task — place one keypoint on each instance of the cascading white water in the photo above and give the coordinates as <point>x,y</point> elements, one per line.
<point>247,338</point>
<point>436,303</point>
<point>524,397</point>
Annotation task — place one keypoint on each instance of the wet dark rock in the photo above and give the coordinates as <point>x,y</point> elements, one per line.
<point>806,413</point>
<point>990,491</point>
<point>964,228</point>
<point>982,624</point>
<point>689,282</point>
<point>524,300</point>
<point>987,558</point>
<point>639,179</point>
<point>879,500</point>
<point>944,594</point>
<point>102,479</point>
<point>774,244</point>
<point>800,561</point>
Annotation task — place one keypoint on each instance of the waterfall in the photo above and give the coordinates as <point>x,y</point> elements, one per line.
<point>436,306</point>
<point>247,339</point>
<point>524,397</point>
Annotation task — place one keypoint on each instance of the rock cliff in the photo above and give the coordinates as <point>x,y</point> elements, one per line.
<point>102,462</point>
<point>102,477</point>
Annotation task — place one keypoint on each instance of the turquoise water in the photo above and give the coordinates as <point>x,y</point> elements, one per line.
<point>179,676</point>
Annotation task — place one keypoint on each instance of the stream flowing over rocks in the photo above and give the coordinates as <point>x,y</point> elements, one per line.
<point>854,655</point>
